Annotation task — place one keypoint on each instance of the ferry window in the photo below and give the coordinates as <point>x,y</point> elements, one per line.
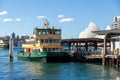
<point>47,32</point>
<point>50,40</point>
<point>36,50</point>
<point>46,41</point>
<point>31,42</point>
<point>53,40</point>
<point>57,32</point>
<point>42,41</point>
<point>39,32</point>
<point>57,41</point>
<point>53,32</point>
<point>44,49</point>
<point>43,32</point>
<point>53,49</point>
<point>50,31</point>
<point>56,49</point>
<point>49,49</point>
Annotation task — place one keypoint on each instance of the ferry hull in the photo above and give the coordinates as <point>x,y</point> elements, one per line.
<point>47,57</point>
<point>32,58</point>
<point>40,56</point>
<point>59,57</point>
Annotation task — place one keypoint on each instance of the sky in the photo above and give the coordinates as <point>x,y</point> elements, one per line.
<point>72,16</point>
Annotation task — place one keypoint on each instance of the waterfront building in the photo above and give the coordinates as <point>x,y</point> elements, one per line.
<point>113,35</point>
<point>115,41</point>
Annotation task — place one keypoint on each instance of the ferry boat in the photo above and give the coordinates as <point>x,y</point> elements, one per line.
<point>45,45</point>
<point>4,44</point>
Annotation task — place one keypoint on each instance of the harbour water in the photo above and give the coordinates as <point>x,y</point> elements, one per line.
<point>24,70</point>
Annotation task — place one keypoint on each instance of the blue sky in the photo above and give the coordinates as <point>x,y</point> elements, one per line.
<point>22,16</point>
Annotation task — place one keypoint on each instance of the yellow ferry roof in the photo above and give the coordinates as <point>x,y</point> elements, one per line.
<point>52,46</point>
<point>31,46</point>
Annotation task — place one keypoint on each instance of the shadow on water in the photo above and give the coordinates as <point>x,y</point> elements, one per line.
<point>43,70</point>
<point>69,71</point>
<point>11,66</point>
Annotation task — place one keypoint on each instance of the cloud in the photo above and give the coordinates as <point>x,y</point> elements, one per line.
<point>3,12</point>
<point>18,19</point>
<point>66,20</point>
<point>61,16</point>
<point>10,20</point>
<point>7,20</point>
<point>41,17</point>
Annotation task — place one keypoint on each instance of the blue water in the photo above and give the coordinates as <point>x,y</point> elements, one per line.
<point>23,70</point>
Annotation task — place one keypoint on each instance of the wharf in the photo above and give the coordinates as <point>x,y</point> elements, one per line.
<point>86,56</point>
<point>82,56</point>
<point>106,57</point>
<point>83,51</point>
<point>85,42</point>
<point>112,60</point>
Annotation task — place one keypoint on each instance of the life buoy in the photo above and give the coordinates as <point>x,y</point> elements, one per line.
<point>115,51</point>
<point>28,50</point>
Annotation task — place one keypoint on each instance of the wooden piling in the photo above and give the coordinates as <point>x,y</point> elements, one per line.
<point>11,49</point>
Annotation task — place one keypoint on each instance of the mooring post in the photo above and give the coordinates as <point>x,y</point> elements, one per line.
<point>11,49</point>
<point>104,51</point>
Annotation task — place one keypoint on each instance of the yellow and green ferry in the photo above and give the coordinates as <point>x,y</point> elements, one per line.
<point>44,45</point>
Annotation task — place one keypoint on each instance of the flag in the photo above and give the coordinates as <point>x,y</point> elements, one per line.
<point>46,23</point>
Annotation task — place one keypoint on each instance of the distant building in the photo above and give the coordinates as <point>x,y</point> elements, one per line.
<point>6,37</point>
<point>13,35</point>
<point>18,40</point>
<point>21,39</point>
<point>17,37</point>
<point>116,22</point>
